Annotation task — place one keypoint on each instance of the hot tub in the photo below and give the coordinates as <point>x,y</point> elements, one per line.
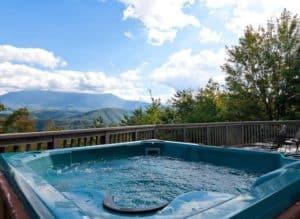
<point>153,179</point>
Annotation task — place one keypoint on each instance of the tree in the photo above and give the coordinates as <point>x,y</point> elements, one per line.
<point>2,107</point>
<point>206,107</point>
<point>19,121</point>
<point>135,118</point>
<point>264,68</point>
<point>98,122</point>
<point>234,107</point>
<point>51,126</point>
<point>183,103</point>
<point>201,106</point>
<point>155,113</point>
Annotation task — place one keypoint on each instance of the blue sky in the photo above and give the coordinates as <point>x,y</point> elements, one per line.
<point>123,47</point>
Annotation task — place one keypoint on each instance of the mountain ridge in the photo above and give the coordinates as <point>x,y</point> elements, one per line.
<point>84,102</point>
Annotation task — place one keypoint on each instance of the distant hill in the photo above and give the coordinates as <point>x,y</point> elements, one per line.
<point>53,114</point>
<point>69,119</point>
<point>109,115</point>
<point>41,100</point>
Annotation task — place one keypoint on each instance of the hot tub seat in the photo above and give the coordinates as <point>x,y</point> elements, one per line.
<point>110,204</point>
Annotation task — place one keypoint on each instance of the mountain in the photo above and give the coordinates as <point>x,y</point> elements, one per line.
<point>39,100</point>
<point>53,114</point>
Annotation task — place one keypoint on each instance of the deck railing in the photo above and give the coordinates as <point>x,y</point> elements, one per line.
<point>220,133</point>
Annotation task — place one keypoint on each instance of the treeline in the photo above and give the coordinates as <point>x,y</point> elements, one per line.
<point>18,121</point>
<point>262,82</point>
<point>22,120</point>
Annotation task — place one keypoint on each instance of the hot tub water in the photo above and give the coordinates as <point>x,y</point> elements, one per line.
<point>143,181</point>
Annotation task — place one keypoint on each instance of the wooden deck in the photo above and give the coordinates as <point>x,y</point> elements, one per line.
<point>223,133</point>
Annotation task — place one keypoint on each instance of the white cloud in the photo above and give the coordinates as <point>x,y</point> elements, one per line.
<point>216,4</point>
<point>187,70</point>
<point>206,35</point>
<point>254,12</point>
<point>128,34</point>
<point>15,75</point>
<point>32,56</point>
<point>19,76</point>
<point>134,74</point>
<point>161,18</point>
<point>130,75</point>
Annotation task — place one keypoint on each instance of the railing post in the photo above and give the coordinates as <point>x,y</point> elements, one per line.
<point>156,136</point>
<point>55,142</point>
<point>184,134</point>
<point>50,144</point>
<point>227,140</point>
<point>107,138</point>
<point>134,136</point>
<point>207,135</point>
<point>242,134</point>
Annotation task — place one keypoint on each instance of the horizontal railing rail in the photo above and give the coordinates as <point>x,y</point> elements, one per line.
<point>218,133</point>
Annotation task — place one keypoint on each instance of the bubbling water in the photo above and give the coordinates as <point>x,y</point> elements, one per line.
<point>144,181</point>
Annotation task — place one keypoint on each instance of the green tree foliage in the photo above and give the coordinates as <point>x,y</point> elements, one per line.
<point>183,104</point>
<point>98,122</point>
<point>19,121</point>
<point>155,113</point>
<point>186,106</point>
<point>51,126</point>
<point>136,118</point>
<point>200,106</point>
<point>206,107</point>
<point>2,107</point>
<point>264,68</point>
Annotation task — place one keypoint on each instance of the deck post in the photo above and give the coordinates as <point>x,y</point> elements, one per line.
<point>184,134</point>
<point>107,138</point>
<point>156,135</point>
<point>242,134</point>
<point>50,145</point>
<point>207,135</point>
<point>55,142</point>
<point>227,140</point>
<point>134,135</point>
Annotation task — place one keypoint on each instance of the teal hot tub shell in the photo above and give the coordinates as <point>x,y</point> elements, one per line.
<point>276,189</point>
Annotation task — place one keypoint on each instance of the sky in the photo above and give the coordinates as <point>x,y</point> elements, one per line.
<point>123,47</point>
